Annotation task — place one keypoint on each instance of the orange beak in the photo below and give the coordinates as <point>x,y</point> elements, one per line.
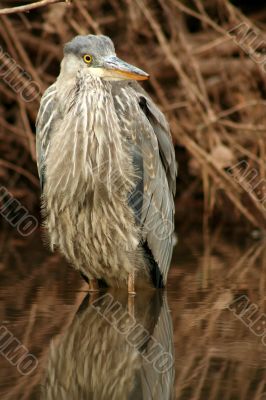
<point>119,69</point>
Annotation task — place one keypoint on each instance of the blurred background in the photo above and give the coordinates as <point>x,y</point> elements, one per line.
<point>207,62</point>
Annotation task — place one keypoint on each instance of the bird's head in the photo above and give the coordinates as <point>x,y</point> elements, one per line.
<point>95,55</point>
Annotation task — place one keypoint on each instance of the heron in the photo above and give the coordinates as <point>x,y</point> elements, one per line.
<point>107,169</point>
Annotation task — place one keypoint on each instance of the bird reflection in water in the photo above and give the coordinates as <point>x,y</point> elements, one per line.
<point>109,353</point>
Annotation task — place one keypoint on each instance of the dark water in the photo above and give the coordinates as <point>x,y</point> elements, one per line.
<point>201,339</point>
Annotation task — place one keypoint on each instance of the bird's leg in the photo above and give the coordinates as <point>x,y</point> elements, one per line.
<point>131,305</point>
<point>131,284</point>
<point>131,294</point>
<point>93,285</point>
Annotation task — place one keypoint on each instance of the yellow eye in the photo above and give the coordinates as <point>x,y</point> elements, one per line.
<point>87,58</point>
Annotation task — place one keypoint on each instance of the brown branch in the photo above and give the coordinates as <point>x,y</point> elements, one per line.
<point>21,171</point>
<point>28,7</point>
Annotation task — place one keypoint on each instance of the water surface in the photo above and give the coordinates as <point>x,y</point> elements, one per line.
<point>183,343</point>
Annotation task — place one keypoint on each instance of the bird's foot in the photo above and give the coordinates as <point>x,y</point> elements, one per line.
<point>93,285</point>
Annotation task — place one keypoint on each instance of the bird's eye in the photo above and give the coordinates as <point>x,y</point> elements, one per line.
<point>87,58</point>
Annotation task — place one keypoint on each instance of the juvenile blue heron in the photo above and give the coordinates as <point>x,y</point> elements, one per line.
<point>107,168</point>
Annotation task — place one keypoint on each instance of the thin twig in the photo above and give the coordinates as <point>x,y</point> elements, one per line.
<point>29,7</point>
<point>21,171</point>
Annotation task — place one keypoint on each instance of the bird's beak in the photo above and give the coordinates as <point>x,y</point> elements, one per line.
<point>119,69</point>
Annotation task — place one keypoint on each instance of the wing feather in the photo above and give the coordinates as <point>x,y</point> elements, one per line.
<point>159,184</point>
<point>44,123</point>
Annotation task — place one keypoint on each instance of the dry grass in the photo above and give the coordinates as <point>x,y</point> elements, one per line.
<point>211,90</point>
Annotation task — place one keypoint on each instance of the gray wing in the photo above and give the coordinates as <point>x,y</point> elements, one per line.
<point>159,185</point>
<point>155,379</point>
<point>158,377</point>
<point>44,123</point>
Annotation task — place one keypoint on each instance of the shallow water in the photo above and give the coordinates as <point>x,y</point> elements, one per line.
<point>189,342</point>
